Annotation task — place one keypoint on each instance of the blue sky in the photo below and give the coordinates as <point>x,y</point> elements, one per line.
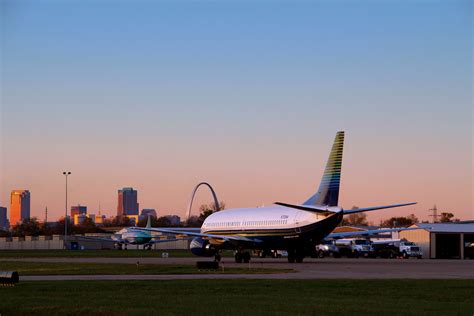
<point>161,95</point>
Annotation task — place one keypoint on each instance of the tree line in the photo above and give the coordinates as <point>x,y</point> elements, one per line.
<point>32,227</point>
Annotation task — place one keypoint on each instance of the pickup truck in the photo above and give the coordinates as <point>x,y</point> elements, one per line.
<point>397,248</point>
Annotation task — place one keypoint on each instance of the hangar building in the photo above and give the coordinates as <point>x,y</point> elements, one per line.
<point>443,240</point>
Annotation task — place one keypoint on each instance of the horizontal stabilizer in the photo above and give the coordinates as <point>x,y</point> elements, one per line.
<point>314,209</point>
<point>368,209</point>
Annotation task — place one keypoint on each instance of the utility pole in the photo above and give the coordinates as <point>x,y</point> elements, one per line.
<point>434,214</point>
<point>66,173</point>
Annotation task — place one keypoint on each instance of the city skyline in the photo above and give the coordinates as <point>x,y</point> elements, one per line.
<point>246,96</point>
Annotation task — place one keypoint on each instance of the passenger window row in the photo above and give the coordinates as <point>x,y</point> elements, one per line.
<point>249,223</point>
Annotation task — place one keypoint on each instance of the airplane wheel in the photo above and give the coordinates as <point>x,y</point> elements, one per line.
<point>291,255</point>
<point>217,258</point>
<point>238,257</point>
<point>299,259</point>
<point>246,257</point>
<point>320,254</point>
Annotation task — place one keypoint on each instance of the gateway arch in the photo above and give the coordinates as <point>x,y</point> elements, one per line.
<point>214,196</point>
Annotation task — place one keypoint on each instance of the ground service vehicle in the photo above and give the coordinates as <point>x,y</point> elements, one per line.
<point>469,250</point>
<point>397,248</point>
<point>270,253</point>
<point>326,249</point>
<point>355,247</point>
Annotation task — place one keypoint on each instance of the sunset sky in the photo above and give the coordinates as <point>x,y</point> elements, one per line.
<point>160,95</point>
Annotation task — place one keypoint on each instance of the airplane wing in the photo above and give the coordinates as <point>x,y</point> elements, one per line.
<point>155,239</point>
<point>95,238</point>
<point>368,209</point>
<point>367,232</point>
<point>196,234</point>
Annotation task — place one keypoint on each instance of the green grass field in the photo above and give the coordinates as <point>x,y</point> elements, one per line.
<point>240,297</point>
<point>56,268</point>
<point>96,253</point>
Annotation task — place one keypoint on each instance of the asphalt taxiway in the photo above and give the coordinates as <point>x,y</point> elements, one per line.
<point>326,268</point>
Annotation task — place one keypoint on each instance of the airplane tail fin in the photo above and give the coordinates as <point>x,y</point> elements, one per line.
<point>148,223</point>
<point>328,192</point>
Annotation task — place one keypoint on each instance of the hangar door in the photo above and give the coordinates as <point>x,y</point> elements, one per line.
<point>448,246</point>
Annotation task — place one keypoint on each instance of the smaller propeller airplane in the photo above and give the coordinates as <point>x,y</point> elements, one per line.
<point>132,236</point>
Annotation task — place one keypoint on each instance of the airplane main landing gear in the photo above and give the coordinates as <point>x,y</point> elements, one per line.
<point>242,256</point>
<point>147,247</point>
<point>217,257</point>
<point>295,255</point>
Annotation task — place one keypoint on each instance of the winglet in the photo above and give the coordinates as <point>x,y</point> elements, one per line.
<point>148,223</point>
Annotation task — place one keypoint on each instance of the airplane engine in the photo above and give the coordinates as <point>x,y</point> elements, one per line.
<point>201,247</point>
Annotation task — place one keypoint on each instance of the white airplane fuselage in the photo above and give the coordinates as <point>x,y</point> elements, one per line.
<point>274,225</point>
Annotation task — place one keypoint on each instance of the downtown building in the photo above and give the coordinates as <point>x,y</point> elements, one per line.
<point>4,225</point>
<point>78,214</point>
<point>19,206</point>
<point>127,202</point>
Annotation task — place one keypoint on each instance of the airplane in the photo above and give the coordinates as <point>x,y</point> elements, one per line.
<point>296,228</point>
<point>131,236</point>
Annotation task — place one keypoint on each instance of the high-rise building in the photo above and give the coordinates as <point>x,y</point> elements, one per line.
<point>19,206</point>
<point>3,218</point>
<point>127,202</point>
<point>78,214</point>
<point>148,212</point>
<point>99,219</point>
<point>77,210</point>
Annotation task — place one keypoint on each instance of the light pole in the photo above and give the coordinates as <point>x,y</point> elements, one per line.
<point>66,173</point>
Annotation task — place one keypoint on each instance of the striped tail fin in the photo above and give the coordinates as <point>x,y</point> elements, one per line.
<point>328,192</point>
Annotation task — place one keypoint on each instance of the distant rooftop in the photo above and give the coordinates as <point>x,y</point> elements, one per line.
<point>447,227</point>
<point>126,189</point>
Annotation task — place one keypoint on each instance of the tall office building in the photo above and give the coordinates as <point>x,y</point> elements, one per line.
<point>3,218</point>
<point>19,206</point>
<point>78,214</point>
<point>78,210</point>
<point>127,202</point>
